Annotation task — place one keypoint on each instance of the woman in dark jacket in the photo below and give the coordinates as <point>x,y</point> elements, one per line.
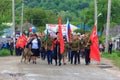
<point>35,47</point>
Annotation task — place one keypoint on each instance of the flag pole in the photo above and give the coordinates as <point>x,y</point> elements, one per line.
<point>95,13</point>
<point>13,21</point>
<point>22,17</point>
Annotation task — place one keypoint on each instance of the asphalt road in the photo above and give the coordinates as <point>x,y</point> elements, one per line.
<point>12,69</point>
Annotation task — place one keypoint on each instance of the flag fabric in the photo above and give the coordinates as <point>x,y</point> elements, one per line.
<point>60,35</point>
<point>68,31</point>
<point>94,48</point>
<point>24,39</point>
<point>21,42</point>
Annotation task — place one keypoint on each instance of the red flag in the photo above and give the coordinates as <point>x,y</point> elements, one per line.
<point>24,39</point>
<point>21,42</point>
<point>60,35</point>
<point>94,48</point>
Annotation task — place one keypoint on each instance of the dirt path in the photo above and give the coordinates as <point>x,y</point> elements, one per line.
<point>12,69</point>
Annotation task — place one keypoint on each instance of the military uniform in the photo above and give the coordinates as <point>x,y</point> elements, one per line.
<point>74,46</point>
<point>48,47</point>
<point>82,44</point>
<point>87,50</point>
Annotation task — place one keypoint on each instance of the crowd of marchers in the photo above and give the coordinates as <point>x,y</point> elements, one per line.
<point>47,47</point>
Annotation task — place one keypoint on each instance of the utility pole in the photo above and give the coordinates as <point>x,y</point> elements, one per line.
<point>13,20</point>
<point>108,25</point>
<point>22,17</point>
<point>95,13</point>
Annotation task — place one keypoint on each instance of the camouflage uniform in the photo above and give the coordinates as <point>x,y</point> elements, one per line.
<point>48,47</point>
<point>82,50</point>
<point>74,46</point>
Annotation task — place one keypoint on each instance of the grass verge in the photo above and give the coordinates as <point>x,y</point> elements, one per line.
<point>4,52</point>
<point>115,57</point>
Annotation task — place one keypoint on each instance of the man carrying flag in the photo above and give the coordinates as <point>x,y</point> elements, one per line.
<point>60,35</point>
<point>58,43</point>
<point>87,42</point>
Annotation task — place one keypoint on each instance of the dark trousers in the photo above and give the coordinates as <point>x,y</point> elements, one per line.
<point>110,50</point>
<point>57,56</point>
<point>87,56</point>
<point>76,56</point>
<point>18,51</point>
<point>43,53</point>
<point>49,56</point>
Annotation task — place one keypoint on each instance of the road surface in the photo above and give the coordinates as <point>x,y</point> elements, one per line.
<point>12,69</point>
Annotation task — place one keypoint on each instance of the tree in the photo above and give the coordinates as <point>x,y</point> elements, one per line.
<point>79,31</point>
<point>40,17</point>
<point>102,8</point>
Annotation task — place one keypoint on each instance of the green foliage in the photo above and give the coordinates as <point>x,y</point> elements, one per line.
<point>2,27</point>
<point>67,8</point>
<point>115,56</point>
<point>82,31</point>
<point>39,17</point>
<point>101,39</point>
<point>41,29</point>
<point>40,12</point>
<point>4,52</point>
<point>87,15</point>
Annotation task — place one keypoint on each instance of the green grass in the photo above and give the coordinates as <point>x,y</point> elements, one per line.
<point>115,56</point>
<point>4,52</point>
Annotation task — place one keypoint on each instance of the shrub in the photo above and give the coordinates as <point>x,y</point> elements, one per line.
<point>4,52</point>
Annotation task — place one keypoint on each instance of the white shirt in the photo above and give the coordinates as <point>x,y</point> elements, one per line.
<point>35,44</point>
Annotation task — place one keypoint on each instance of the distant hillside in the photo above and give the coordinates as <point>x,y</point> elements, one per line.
<point>59,6</point>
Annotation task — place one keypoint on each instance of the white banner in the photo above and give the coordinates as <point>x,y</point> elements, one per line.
<point>53,28</point>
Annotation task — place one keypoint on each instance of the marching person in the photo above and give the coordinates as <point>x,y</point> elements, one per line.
<point>82,50</point>
<point>64,55</point>
<point>43,51</point>
<point>49,50</point>
<point>56,49</point>
<point>69,50</point>
<point>35,47</point>
<point>87,49</point>
<point>74,46</point>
